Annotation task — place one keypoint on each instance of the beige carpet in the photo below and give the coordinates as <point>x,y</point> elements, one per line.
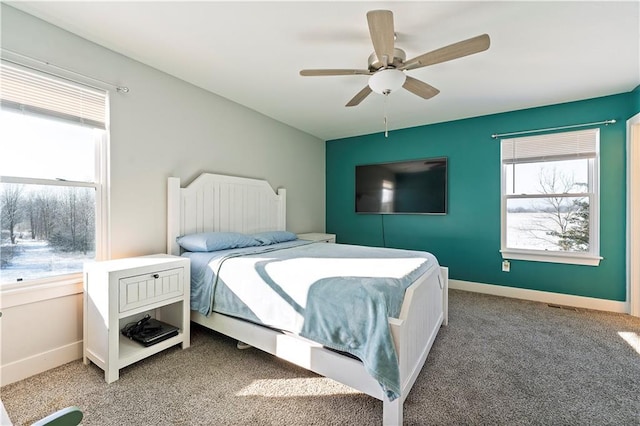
<point>499,362</point>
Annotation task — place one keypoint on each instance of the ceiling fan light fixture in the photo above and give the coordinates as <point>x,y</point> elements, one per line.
<point>387,80</point>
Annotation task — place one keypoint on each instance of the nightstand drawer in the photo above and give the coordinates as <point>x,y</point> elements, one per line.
<point>145,289</point>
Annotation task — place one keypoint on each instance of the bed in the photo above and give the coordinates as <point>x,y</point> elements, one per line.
<point>250,206</point>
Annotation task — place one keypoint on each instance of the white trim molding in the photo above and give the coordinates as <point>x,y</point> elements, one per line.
<point>541,296</point>
<point>52,343</point>
<point>633,215</point>
<point>16,295</point>
<point>38,363</point>
<point>552,257</point>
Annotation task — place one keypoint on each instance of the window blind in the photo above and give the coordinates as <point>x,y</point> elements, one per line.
<point>37,93</point>
<point>551,147</point>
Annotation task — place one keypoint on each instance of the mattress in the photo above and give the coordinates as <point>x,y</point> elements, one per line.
<point>338,295</point>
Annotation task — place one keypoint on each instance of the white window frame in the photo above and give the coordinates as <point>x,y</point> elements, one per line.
<point>33,290</point>
<point>590,258</point>
<point>101,225</point>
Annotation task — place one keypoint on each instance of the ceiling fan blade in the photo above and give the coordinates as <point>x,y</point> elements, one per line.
<point>359,97</point>
<point>420,88</point>
<point>447,53</point>
<point>382,35</point>
<point>313,73</point>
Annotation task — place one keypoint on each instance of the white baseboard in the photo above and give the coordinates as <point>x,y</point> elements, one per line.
<point>542,296</point>
<point>35,364</point>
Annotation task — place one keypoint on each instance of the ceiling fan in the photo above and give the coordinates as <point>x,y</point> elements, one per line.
<point>387,64</point>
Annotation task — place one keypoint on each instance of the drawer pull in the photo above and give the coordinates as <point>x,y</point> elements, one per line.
<point>156,276</point>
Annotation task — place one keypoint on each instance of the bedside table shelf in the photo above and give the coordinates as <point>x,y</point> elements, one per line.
<point>118,292</point>
<point>132,352</point>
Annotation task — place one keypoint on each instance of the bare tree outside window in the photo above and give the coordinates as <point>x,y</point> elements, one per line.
<point>75,230</point>
<point>11,212</point>
<point>46,229</point>
<point>560,220</point>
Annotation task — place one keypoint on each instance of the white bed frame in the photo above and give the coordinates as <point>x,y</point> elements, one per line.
<point>226,203</point>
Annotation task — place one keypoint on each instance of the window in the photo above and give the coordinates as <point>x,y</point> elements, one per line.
<point>387,196</point>
<point>52,168</point>
<point>550,198</point>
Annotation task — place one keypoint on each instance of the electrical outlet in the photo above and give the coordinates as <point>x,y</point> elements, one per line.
<point>506,266</point>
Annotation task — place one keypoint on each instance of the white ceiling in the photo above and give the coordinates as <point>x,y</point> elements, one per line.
<point>251,52</point>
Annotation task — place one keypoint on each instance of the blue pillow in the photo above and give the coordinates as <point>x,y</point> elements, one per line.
<point>213,241</point>
<point>273,237</point>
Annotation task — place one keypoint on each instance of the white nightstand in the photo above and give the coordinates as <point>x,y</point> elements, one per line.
<point>316,236</point>
<point>118,292</point>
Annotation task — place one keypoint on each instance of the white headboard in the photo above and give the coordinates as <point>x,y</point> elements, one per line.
<point>222,203</point>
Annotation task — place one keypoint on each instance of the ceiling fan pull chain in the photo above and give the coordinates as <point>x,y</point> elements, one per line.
<point>386,121</point>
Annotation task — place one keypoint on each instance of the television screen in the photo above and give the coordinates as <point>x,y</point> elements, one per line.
<point>416,186</point>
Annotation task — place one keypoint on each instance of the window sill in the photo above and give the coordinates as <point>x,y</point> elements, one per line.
<point>16,294</point>
<point>552,257</point>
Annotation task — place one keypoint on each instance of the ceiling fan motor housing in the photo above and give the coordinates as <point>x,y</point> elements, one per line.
<point>398,59</point>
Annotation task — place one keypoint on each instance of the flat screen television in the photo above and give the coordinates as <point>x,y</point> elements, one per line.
<point>415,186</point>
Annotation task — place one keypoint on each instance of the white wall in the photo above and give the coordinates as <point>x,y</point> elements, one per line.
<point>163,127</point>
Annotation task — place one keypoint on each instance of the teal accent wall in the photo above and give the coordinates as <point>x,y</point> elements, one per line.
<point>467,239</point>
